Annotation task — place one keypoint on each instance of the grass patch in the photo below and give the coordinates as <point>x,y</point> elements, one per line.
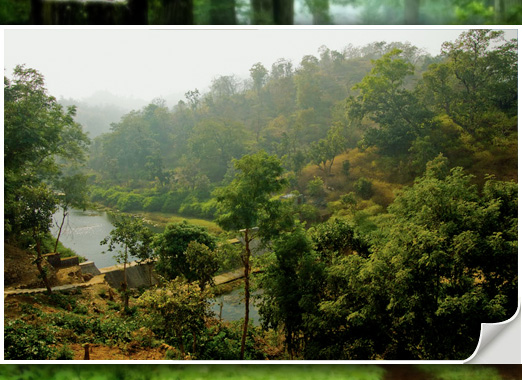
<point>161,219</point>
<point>460,372</point>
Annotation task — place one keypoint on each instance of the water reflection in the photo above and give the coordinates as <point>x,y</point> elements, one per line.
<point>83,231</point>
<point>234,306</point>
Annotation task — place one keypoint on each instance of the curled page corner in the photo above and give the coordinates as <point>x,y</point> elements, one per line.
<point>499,343</point>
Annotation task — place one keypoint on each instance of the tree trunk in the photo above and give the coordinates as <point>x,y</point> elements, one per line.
<point>178,12</point>
<point>223,12</point>
<point>411,12</point>
<point>181,345</point>
<point>36,12</point>
<point>65,213</point>
<point>246,263</point>
<point>124,285</point>
<point>39,260</point>
<point>262,12</point>
<point>284,12</point>
<point>62,13</point>
<point>101,13</point>
<point>138,12</point>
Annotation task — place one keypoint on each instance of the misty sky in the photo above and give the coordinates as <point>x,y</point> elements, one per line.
<point>146,64</point>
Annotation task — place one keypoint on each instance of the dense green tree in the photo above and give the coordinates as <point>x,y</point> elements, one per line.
<point>477,85</point>
<point>171,249</point>
<point>203,262</point>
<point>385,100</point>
<point>246,206</point>
<point>289,284</point>
<point>40,138</point>
<point>215,143</point>
<point>35,208</point>
<point>442,264</point>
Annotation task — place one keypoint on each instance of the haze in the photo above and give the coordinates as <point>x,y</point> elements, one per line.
<point>145,64</point>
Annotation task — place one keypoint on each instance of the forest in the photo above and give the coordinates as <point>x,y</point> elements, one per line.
<point>373,191</point>
<point>260,12</point>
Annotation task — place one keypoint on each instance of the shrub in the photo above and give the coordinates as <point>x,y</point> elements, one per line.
<point>154,203</point>
<point>173,202</point>
<point>346,168</point>
<point>65,353</point>
<point>308,213</point>
<point>23,341</point>
<point>315,187</point>
<point>363,188</point>
<point>130,202</point>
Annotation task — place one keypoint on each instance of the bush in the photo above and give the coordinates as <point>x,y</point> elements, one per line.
<point>130,202</point>
<point>154,203</point>
<point>65,353</point>
<point>308,213</point>
<point>23,341</point>
<point>346,168</point>
<point>315,187</point>
<point>173,202</point>
<point>363,188</point>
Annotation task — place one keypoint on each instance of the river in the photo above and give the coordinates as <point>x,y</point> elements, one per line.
<point>83,231</point>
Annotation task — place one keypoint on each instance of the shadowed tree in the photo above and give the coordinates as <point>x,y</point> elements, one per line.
<point>178,12</point>
<point>138,12</point>
<point>283,12</point>
<point>223,12</point>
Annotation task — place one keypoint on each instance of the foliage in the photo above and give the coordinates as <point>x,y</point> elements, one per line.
<point>363,188</point>
<point>287,285</point>
<point>182,306</point>
<point>323,152</point>
<point>203,262</point>
<point>171,249</point>
<point>24,341</point>
<point>64,353</point>
<point>245,204</point>
<point>315,187</point>
<point>129,238</point>
<point>430,271</point>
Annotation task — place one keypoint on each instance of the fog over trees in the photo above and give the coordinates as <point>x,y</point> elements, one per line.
<point>372,189</point>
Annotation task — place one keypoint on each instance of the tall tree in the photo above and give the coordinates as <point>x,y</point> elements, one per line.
<point>39,138</point>
<point>246,206</point>
<point>129,238</point>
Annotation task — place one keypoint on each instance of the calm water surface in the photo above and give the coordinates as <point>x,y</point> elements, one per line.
<point>83,231</point>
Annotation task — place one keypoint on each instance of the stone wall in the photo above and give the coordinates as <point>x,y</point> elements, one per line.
<point>57,262</point>
<point>138,275</point>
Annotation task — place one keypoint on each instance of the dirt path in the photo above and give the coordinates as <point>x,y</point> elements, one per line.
<point>218,280</point>
<point>100,279</point>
